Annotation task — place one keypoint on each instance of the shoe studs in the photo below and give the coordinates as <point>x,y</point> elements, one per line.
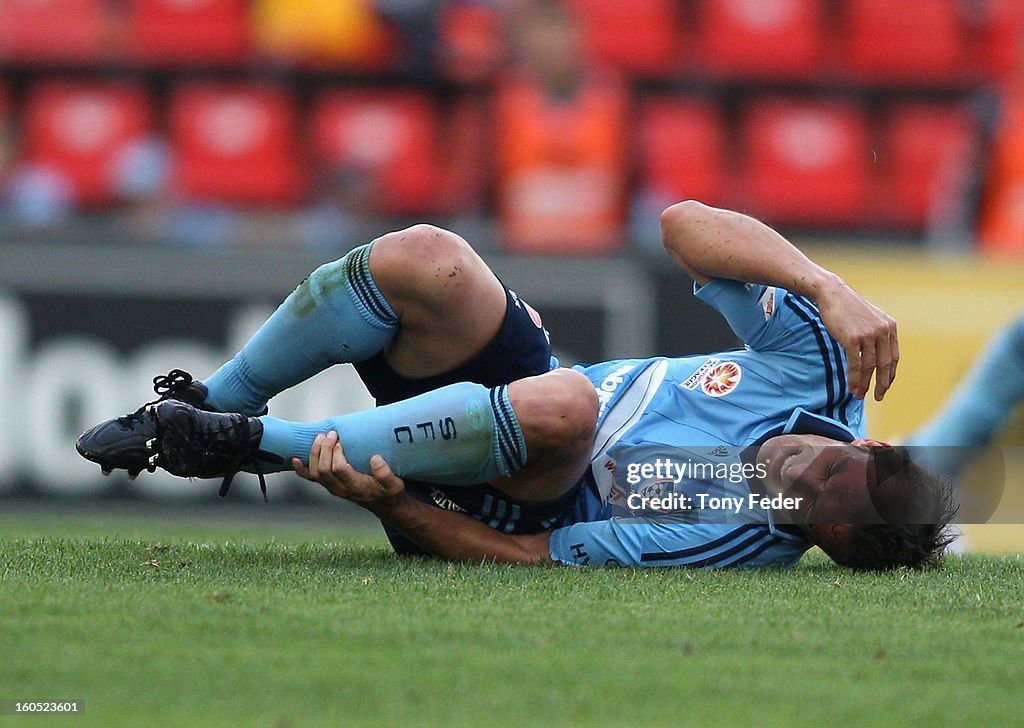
<point>105,470</point>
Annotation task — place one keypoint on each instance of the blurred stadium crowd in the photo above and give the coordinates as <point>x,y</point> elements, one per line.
<point>564,125</point>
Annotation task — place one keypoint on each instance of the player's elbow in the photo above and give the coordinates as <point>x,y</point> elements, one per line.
<point>678,217</point>
<point>682,225</point>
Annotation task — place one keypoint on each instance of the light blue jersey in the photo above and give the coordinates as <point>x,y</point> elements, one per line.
<point>683,427</point>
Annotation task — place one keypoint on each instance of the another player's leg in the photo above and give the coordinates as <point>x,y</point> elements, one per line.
<point>531,438</point>
<point>979,406</point>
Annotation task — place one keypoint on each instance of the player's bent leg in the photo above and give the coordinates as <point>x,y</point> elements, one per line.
<point>421,293</point>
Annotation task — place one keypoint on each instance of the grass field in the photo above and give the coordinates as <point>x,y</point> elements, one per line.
<point>159,623</point>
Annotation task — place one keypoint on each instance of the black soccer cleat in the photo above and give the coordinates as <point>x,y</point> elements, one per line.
<point>116,444</point>
<point>181,439</point>
<point>121,443</point>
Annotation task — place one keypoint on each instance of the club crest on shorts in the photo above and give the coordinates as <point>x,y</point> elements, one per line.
<point>721,379</point>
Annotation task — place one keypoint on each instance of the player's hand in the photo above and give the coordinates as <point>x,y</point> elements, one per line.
<point>329,467</point>
<point>866,333</point>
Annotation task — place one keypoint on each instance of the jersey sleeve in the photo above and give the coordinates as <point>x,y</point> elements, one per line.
<point>622,542</point>
<point>769,318</point>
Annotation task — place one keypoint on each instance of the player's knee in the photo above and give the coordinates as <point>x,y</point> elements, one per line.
<point>557,411</point>
<point>420,260</point>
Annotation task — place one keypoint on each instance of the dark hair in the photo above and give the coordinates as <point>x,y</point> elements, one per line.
<point>915,506</point>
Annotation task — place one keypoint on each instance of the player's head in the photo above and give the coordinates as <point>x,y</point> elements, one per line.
<point>865,503</point>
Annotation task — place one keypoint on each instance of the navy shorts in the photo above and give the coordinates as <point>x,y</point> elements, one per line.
<point>520,349</point>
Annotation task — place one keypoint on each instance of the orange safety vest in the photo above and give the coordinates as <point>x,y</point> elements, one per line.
<point>561,165</point>
<point>1001,228</point>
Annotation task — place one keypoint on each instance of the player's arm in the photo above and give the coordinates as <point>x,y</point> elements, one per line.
<point>442,533</point>
<point>710,243</point>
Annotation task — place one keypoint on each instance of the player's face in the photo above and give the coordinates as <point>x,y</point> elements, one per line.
<point>829,477</point>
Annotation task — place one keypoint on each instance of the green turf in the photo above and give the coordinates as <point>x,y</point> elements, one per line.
<point>170,625</point>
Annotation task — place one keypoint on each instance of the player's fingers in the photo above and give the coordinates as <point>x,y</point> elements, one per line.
<point>385,477</point>
<point>886,360</point>
<point>894,342</point>
<point>883,372</point>
<point>339,463</point>
<point>853,367</point>
<point>314,457</point>
<point>326,456</point>
<point>300,468</point>
<point>867,366</point>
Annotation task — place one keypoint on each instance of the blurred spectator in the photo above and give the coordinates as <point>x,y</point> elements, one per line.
<point>141,173</point>
<point>323,33</point>
<point>38,196</point>
<point>151,210</point>
<point>342,211</point>
<point>471,44</point>
<point>6,137</point>
<point>560,139</point>
<point>31,195</point>
<point>416,23</point>
<point>1001,225</point>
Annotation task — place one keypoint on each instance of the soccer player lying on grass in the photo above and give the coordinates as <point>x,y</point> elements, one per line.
<point>506,457</point>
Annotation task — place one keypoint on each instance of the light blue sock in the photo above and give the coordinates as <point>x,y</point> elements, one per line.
<point>336,315</point>
<point>981,404</point>
<point>461,434</point>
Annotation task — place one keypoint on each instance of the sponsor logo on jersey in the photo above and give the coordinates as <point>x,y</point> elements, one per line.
<point>694,380</point>
<point>718,452</point>
<point>610,384</point>
<point>767,302</point>
<point>722,379</point>
<point>443,501</point>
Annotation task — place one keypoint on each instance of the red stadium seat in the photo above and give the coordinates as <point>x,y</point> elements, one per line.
<point>806,161</point>
<point>681,150</point>
<point>236,143</point>
<point>52,30</point>
<point>926,145</point>
<point>640,37</point>
<point>762,38</point>
<point>996,36</point>
<point>78,128</point>
<point>917,41</point>
<point>193,32</point>
<point>392,135</point>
